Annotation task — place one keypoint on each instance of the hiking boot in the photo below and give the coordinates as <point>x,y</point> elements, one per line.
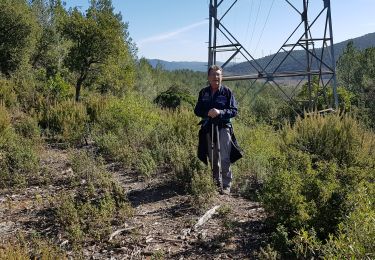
<point>225,191</point>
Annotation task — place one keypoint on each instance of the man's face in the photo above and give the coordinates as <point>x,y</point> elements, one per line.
<point>215,77</point>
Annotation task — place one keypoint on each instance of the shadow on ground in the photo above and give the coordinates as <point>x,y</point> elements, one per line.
<point>154,194</point>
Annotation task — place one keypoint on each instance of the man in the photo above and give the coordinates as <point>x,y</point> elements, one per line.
<point>216,106</point>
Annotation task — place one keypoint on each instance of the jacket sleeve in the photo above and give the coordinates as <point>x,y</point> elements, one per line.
<point>231,110</point>
<point>199,109</point>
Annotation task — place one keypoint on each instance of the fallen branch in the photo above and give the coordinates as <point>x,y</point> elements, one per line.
<point>205,217</point>
<point>119,231</point>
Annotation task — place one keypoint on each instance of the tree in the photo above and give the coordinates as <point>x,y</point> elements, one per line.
<point>96,37</point>
<point>17,34</point>
<point>145,79</point>
<point>356,73</point>
<point>349,68</point>
<point>51,48</point>
<point>368,83</point>
<point>174,97</point>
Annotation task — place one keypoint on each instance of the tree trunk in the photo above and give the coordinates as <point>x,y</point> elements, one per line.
<point>78,86</point>
<point>78,89</point>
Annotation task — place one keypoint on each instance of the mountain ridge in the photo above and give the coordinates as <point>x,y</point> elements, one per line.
<point>361,42</point>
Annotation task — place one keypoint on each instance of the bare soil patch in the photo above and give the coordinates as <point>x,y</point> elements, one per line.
<point>162,224</point>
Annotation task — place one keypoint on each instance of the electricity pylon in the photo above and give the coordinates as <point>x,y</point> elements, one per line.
<point>317,62</point>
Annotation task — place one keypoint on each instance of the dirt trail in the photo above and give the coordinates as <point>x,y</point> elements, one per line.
<point>162,225</point>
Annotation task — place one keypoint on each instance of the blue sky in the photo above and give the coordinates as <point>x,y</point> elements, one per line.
<point>175,30</point>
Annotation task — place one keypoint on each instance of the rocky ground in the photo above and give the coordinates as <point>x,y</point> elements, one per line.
<point>164,224</point>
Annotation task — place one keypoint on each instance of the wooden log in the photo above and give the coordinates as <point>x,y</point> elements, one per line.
<point>208,215</point>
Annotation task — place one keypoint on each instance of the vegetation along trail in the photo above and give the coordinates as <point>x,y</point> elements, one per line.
<point>98,152</point>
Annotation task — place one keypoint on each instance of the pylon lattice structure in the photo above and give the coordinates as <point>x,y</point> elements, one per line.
<point>312,59</point>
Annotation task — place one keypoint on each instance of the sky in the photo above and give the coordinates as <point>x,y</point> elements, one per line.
<point>176,30</point>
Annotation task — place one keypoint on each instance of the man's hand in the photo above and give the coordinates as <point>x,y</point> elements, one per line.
<point>213,112</point>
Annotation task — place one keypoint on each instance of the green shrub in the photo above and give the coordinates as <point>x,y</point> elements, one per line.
<point>174,97</point>
<point>332,137</point>
<point>19,162</point>
<point>23,246</point>
<point>98,202</point>
<point>355,238</point>
<point>315,188</point>
<point>95,104</point>
<point>65,121</point>
<point>146,164</point>
<point>67,216</point>
<point>27,127</point>
<point>124,127</point>
<point>26,89</point>
<point>260,144</point>
<point>4,119</point>
<point>58,89</point>
<point>8,96</point>
<point>202,188</point>
<point>283,198</point>
<point>178,144</point>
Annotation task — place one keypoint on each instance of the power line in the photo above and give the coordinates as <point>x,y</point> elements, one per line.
<point>256,20</point>
<point>251,11</point>
<point>264,26</point>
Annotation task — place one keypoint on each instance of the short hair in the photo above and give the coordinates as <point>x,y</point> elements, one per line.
<point>214,67</point>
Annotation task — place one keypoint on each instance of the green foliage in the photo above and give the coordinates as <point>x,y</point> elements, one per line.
<point>124,127</point>
<point>332,137</point>
<point>25,88</point>
<point>57,89</point>
<point>95,38</point>
<point>145,163</point>
<point>314,177</point>
<point>151,82</point>
<point>27,127</point>
<point>51,48</point>
<point>8,96</point>
<point>355,70</point>
<point>202,188</point>
<point>177,144</point>
<point>174,97</point>
<point>95,104</point>
<point>267,109</point>
<point>133,131</point>
<point>315,188</point>
<point>23,247</point>
<point>349,69</point>
<point>98,203</point>
<point>283,196</point>
<point>319,100</point>
<point>116,76</point>
<point>158,255</point>
<point>65,121</point>
<point>19,162</point>
<point>4,119</point>
<point>267,253</point>
<point>355,238</point>
<point>260,144</point>
<point>145,82</point>
<point>17,34</point>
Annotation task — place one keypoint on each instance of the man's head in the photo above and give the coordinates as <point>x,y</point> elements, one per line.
<point>215,76</point>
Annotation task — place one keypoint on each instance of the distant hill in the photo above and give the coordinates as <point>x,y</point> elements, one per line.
<point>179,65</point>
<point>290,64</point>
<point>294,61</point>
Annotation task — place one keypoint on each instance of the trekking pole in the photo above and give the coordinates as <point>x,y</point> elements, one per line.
<point>219,159</point>
<point>212,149</point>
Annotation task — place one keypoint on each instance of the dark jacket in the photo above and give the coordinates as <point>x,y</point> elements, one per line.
<point>236,152</point>
<point>224,100</point>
